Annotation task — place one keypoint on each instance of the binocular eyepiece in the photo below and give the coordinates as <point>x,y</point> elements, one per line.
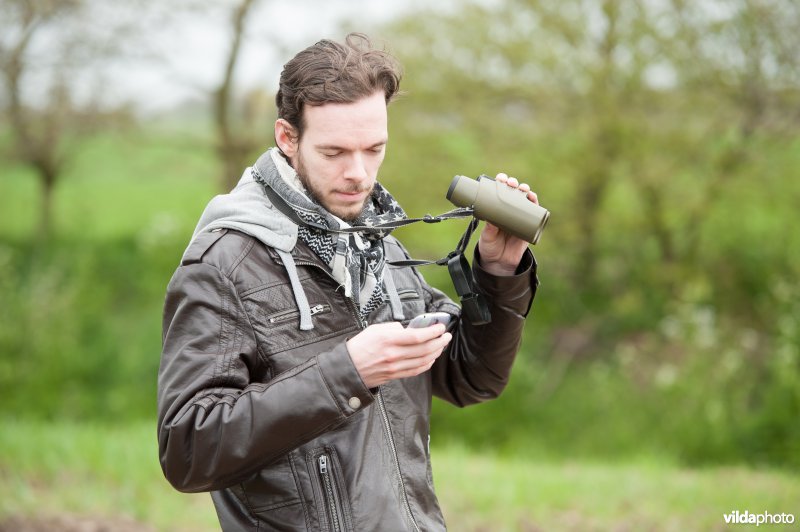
<point>507,208</point>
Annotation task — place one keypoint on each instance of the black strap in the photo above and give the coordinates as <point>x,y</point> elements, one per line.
<point>473,304</point>
<point>286,210</point>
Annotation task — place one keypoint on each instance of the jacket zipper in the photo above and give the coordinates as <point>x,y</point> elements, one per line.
<point>381,406</point>
<point>385,417</point>
<point>289,314</point>
<point>327,486</point>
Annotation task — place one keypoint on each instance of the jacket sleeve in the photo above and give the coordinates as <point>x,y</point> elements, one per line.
<point>476,365</point>
<point>217,424</point>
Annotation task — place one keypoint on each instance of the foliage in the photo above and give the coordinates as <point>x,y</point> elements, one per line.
<point>663,138</point>
<point>80,323</point>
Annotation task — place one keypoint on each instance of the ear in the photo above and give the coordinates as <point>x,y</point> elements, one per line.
<point>286,137</point>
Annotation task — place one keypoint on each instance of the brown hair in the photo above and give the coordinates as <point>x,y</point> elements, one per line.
<point>331,72</point>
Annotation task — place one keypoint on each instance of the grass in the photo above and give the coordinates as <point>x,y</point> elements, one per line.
<point>111,473</point>
<point>512,493</point>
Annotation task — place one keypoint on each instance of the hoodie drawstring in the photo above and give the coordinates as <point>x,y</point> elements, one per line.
<point>394,297</point>
<point>299,294</point>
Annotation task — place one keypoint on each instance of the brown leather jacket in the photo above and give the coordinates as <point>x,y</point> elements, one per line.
<point>277,423</point>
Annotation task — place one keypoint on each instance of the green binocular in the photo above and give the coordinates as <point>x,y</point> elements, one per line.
<point>495,202</point>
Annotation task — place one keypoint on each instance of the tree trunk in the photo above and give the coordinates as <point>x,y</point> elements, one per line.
<point>47,180</point>
<point>232,147</point>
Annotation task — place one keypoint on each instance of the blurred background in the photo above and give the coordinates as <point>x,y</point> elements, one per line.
<point>658,386</point>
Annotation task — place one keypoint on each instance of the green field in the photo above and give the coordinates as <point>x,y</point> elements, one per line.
<point>92,473</point>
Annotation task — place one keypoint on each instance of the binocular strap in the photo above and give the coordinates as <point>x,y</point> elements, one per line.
<point>473,304</point>
<point>279,203</point>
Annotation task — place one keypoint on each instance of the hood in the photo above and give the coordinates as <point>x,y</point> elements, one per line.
<point>248,209</point>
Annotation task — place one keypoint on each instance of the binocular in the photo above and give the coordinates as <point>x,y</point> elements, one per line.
<point>507,208</point>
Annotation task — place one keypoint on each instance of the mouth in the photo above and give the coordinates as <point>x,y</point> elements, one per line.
<point>351,196</point>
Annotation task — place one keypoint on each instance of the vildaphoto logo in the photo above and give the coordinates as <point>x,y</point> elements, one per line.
<point>747,518</point>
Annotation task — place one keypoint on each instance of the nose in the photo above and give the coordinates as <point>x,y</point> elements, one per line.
<point>356,169</point>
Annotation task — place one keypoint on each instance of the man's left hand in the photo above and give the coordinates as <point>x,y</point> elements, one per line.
<point>500,251</point>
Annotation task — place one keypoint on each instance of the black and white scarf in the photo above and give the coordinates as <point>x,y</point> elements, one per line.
<point>356,259</point>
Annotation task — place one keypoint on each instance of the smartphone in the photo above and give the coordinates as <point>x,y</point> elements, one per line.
<point>428,319</point>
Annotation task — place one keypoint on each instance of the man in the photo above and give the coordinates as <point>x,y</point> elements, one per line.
<point>289,386</point>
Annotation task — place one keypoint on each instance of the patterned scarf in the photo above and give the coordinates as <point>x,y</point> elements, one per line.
<point>356,259</point>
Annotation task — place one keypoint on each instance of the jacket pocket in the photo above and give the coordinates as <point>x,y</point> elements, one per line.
<point>275,317</point>
<point>272,497</point>
<point>332,502</point>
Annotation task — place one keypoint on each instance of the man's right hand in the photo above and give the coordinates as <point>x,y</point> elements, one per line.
<point>387,351</point>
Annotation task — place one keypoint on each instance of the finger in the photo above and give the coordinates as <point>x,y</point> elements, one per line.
<point>432,346</point>
<point>533,197</point>
<point>412,367</point>
<point>501,177</point>
<point>490,230</point>
<point>404,367</point>
<point>525,187</point>
<point>430,363</point>
<point>428,348</point>
<point>512,182</point>
<point>388,326</point>
<point>412,337</point>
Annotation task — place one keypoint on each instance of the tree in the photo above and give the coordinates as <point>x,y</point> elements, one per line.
<point>742,66</point>
<point>235,141</point>
<point>637,93</point>
<point>541,71</point>
<point>37,130</point>
<point>54,59</point>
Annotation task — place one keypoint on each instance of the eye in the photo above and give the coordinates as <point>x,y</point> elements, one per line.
<point>331,154</point>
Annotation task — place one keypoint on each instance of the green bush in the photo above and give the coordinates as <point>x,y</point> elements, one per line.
<point>79,334</point>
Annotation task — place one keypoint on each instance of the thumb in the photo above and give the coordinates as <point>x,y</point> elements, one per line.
<point>490,230</point>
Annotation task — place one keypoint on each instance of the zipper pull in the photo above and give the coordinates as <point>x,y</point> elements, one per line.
<point>316,309</point>
<point>323,464</point>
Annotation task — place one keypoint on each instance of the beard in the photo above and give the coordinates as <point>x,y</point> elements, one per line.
<point>317,196</point>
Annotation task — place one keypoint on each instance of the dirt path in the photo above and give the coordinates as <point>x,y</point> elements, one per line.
<point>71,523</point>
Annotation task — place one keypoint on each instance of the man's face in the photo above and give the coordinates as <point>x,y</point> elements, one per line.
<point>340,153</point>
